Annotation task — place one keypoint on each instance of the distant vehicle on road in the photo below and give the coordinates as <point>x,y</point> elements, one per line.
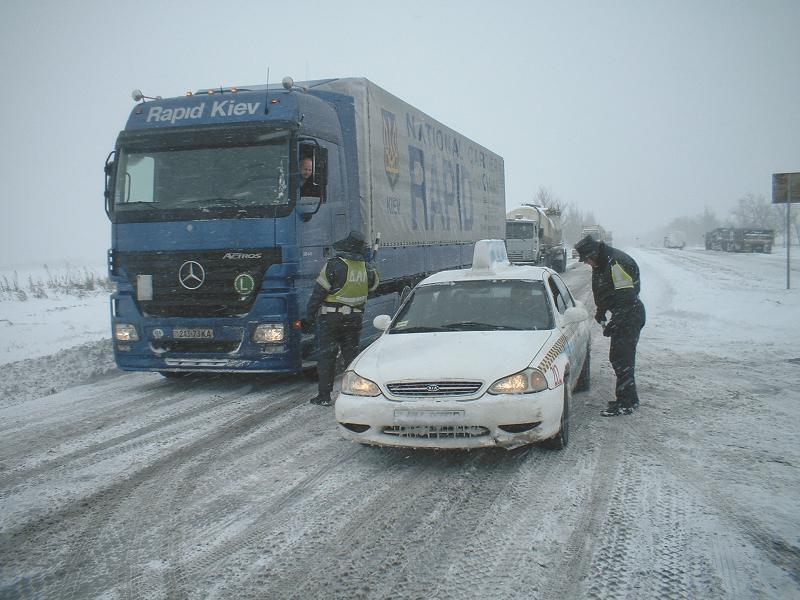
<point>740,239</point>
<point>534,238</point>
<point>487,356</point>
<point>676,239</point>
<point>596,232</point>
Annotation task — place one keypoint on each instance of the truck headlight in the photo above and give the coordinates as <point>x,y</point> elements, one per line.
<point>269,333</point>
<point>354,384</point>
<point>125,332</point>
<point>524,382</point>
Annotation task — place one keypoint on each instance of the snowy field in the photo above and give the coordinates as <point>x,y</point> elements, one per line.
<point>44,310</point>
<point>119,485</point>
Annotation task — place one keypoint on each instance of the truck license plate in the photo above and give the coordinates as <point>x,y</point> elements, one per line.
<point>192,334</point>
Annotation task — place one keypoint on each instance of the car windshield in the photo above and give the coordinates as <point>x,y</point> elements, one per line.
<point>483,305</point>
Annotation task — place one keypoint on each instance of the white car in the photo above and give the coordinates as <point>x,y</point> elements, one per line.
<point>478,357</point>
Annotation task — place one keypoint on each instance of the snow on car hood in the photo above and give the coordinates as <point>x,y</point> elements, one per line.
<point>471,355</point>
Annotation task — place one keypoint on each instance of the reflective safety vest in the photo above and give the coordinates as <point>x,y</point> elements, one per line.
<point>622,281</point>
<point>354,292</point>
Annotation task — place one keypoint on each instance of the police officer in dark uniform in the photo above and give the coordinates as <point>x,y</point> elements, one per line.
<point>616,285</point>
<point>338,303</point>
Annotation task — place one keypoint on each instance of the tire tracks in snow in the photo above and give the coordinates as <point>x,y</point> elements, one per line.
<point>72,530</point>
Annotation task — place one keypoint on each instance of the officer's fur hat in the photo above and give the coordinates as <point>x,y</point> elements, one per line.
<point>354,242</point>
<point>587,248</point>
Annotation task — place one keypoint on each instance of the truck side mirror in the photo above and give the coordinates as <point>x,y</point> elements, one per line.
<point>308,206</point>
<point>109,168</point>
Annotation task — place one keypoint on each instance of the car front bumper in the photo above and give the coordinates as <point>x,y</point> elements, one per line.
<point>508,421</point>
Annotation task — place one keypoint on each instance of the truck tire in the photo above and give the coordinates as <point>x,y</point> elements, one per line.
<point>559,265</point>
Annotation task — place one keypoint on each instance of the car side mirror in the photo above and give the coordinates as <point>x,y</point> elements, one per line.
<point>381,322</point>
<point>575,314</point>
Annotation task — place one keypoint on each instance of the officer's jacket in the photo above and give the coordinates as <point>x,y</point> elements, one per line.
<point>346,279</point>
<point>616,285</point>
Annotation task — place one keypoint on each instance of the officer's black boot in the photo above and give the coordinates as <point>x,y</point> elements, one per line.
<point>322,400</point>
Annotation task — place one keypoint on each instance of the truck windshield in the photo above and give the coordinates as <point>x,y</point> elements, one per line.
<point>245,179</point>
<point>516,230</point>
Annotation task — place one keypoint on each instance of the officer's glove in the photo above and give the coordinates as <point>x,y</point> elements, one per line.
<point>600,316</point>
<point>608,329</point>
<point>306,325</point>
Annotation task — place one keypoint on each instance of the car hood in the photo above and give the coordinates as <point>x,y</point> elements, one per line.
<point>468,355</point>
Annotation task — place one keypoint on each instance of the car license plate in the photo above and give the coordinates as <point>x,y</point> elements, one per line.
<point>192,334</point>
<point>427,417</point>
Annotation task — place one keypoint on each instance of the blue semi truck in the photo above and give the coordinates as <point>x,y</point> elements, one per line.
<point>214,251</point>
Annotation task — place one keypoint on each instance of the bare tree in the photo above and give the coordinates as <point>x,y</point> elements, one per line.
<point>754,211</point>
<point>547,200</point>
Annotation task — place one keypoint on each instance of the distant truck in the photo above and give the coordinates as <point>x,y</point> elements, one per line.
<point>533,238</point>
<point>676,239</point>
<point>596,232</point>
<point>740,239</point>
<point>214,250</point>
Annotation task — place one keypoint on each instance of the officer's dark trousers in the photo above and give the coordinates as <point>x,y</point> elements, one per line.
<point>623,360</point>
<point>336,331</point>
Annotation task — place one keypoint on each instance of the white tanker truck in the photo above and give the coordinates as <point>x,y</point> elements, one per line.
<point>533,238</point>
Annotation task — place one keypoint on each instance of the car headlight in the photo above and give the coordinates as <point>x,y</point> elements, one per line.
<point>528,381</point>
<point>125,332</point>
<point>354,384</point>
<point>268,333</point>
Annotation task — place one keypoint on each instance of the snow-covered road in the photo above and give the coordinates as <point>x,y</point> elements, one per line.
<point>116,485</point>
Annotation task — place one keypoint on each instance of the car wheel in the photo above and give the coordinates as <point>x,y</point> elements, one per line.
<point>583,379</point>
<point>559,441</point>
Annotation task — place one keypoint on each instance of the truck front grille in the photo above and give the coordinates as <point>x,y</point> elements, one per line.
<point>216,296</point>
<point>195,346</point>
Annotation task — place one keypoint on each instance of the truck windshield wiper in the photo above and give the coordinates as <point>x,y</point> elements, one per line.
<point>226,203</point>
<point>137,205</point>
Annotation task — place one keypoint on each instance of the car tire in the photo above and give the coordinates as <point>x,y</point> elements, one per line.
<point>586,371</point>
<point>559,441</point>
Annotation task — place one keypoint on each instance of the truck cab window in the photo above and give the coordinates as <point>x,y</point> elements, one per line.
<point>312,171</point>
<point>137,185</point>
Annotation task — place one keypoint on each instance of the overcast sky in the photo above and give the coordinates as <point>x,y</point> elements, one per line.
<point>639,111</point>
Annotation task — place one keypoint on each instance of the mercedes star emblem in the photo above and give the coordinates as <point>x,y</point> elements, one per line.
<point>191,275</point>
